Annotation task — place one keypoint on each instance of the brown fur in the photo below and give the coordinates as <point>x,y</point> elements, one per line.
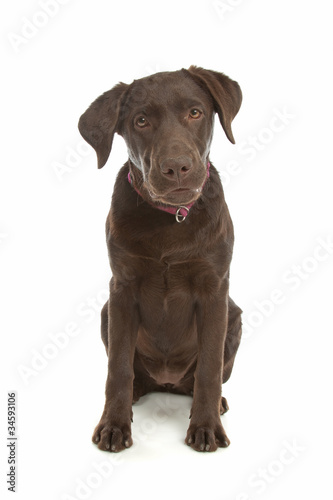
<point>169,324</point>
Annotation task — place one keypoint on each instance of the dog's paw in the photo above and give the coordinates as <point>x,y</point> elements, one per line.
<point>112,438</point>
<point>206,438</point>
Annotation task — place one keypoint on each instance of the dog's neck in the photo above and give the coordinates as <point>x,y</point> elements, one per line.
<point>135,178</point>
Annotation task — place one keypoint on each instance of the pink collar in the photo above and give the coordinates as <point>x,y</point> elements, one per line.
<point>181,212</point>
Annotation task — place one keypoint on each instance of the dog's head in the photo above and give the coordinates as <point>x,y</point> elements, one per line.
<point>167,122</point>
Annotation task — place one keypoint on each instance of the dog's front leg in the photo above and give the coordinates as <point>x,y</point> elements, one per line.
<point>113,433</point>
<point>206,432</point>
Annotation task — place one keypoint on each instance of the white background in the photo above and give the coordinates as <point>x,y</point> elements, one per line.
<point>54,267</point>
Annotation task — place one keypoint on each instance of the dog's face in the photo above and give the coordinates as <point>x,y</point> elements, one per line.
<point>167,122</point>
<point>168,135</point>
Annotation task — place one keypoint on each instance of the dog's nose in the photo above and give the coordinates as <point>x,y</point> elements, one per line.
<point>176,168</point>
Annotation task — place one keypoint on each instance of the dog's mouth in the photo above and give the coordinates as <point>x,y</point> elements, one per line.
<point>179,196</point>
<point>182,191</point>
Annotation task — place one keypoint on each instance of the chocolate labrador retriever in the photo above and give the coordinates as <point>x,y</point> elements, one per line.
<point>169,324</point>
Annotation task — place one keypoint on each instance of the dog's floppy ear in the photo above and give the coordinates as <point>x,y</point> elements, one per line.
<point>226,94</point>
<point>98,124</point>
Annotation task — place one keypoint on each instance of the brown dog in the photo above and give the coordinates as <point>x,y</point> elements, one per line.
<point>169,324</point>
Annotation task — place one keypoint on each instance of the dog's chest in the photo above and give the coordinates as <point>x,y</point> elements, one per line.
<point>167,336</point>
<point>168,295</point>
<point>166,283</point>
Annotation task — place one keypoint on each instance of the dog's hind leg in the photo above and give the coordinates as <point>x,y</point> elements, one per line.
<point>104,325</point>
<point>231,345</point>
<point>232,340</point>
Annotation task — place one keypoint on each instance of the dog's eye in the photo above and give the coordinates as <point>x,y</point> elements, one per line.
<point>195,113</point>
<point>142,122</point>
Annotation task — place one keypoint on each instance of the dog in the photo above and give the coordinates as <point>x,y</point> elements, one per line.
<point>169,324</point>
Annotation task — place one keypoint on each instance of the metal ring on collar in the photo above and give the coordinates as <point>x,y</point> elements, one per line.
<point>179,216</point>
